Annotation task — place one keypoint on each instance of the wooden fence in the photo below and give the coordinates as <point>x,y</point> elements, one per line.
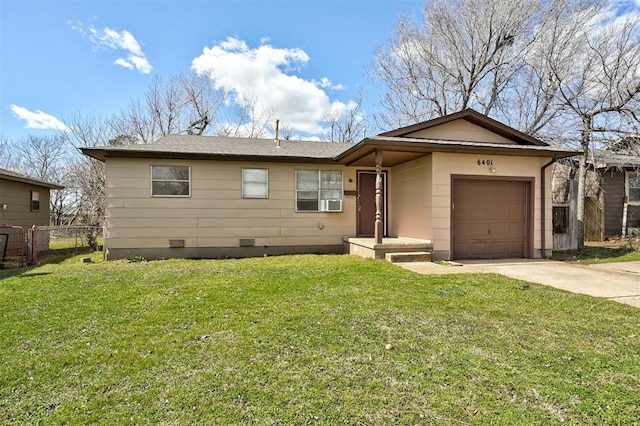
<point>593,221</point>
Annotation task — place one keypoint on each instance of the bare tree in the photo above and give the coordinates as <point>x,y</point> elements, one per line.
<point>463,55</point>
<point>531,102</point>
<point>6,154</point>
<point>249,119</point>
<point>187,104</point>
<point>87,175</point>
<point>600,91</point>
<point>41,157</point>
<point>347,125</point>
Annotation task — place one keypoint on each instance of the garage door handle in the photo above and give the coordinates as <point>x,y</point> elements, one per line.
<point>489,231</point>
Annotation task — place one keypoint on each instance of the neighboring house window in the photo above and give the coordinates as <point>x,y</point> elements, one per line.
<point>170,181</point>
<point>633,187</point>
<point>318,190</point>
<point>255,183</point>
<point>35,201</point>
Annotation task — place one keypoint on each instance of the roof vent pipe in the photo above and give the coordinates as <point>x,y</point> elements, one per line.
<point>277,139</point>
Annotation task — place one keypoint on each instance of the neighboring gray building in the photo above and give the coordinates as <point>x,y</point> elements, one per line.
<point>620,182</point>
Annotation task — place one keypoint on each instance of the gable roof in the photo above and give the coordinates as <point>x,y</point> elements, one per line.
<point>18,177</point>
<point>399,146</point>
<point>402,145</point>
<point>397,150</point>
<point>473,117</point>
<point>217,147</point>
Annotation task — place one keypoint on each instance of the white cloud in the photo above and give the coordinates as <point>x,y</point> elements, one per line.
<point>132,61</point>
<point>37,119</point>
<point>123,63</point>
<point>118,40</point>
<point>266,75</point>
<point>325,83</point>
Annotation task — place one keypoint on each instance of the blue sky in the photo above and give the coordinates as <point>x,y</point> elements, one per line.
<point>60,58</point>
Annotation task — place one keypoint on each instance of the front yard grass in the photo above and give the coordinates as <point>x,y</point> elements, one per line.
<point>603,252</point>
<point>301,340</point>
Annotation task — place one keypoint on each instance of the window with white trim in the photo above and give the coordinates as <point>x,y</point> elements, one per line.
<point>170,181</point>
<point>633,187</point>
<point>35,201</point>
<point>255,183</point>
<point>319,190</point>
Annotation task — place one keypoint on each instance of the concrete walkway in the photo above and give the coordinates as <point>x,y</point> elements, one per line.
<point>614,281</point>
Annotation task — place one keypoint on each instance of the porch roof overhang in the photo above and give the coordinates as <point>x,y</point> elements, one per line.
<point>398,150</point>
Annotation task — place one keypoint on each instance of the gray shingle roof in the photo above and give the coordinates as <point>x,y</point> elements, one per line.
<point>607,159</point>
<point>19,177</point>
<point>216,146</point>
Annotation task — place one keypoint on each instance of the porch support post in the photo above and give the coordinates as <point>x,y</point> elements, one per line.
<point>378,224</point>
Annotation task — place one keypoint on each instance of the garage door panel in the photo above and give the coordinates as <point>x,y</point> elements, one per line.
<point>474,211</point>
<point>489,218</point>
<point>496,248</point>
<point>514,192</point>
<point>497,230</point>
<point>496,211</point>
<point>515,229</point>
<point>515,211</point>
<point>462,250</point>
<point>478,231</point>
<point>515,247</point>
<point>461,231</point>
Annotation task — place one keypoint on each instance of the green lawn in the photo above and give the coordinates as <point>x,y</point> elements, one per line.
<point>603,252</point>
<point>301,340</point>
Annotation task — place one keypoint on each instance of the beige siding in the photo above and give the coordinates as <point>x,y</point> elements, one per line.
<point>411,199</point>
<point>216,215</point>
<point>445,165</point>
<point>17,197</point>
<point>461,130</point>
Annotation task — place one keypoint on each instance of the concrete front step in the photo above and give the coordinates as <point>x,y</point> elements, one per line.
<point>411,256</point>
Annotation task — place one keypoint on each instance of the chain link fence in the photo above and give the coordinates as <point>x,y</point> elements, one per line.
<point>46,242</point>
<point>13,246</point>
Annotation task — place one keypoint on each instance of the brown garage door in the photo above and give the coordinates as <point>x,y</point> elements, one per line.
<point>489,219</point>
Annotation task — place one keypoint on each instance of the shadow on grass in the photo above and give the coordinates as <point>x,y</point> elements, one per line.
<point>28,274</point>
<point>9,273</point>
<point>60,255</point>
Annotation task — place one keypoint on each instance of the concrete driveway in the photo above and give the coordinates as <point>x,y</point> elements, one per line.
<point>614,281</point>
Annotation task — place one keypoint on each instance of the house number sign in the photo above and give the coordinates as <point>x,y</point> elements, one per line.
<point>485,162</point>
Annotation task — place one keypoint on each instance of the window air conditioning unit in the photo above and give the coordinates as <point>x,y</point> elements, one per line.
<point>331,205</point>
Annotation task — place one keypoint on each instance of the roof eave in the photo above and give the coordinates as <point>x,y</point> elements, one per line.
<point>30,181</point>
<point>366,146</point>
<point>103,154</point>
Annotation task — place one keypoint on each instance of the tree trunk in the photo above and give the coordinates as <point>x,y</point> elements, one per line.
<point>582,174</point>
<point>585,143</point>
